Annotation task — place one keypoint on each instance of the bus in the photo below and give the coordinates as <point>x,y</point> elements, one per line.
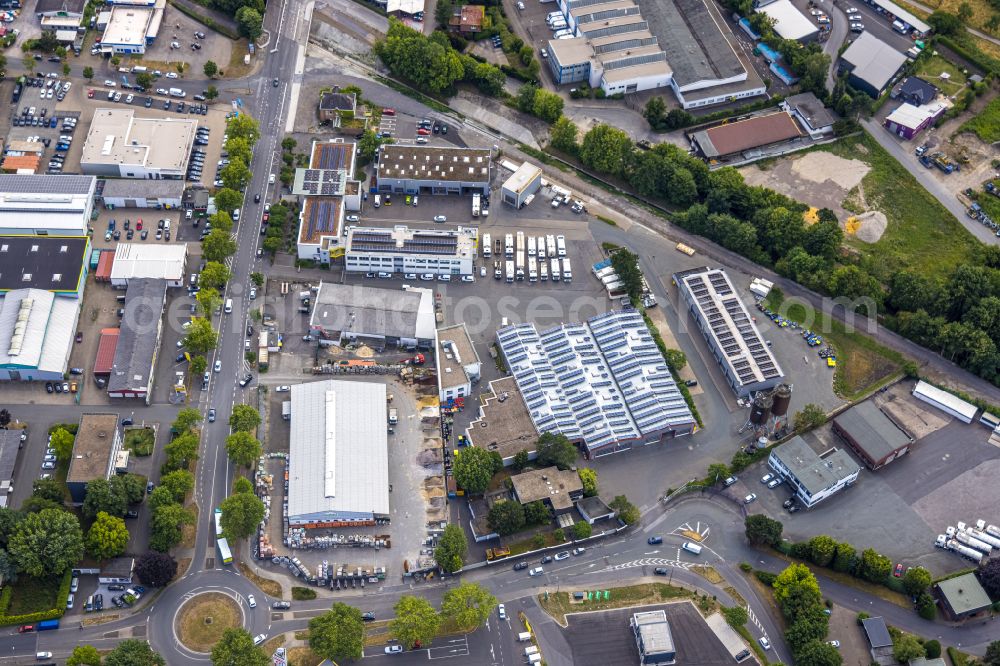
<point>224,552</point>
<point>218,523</point>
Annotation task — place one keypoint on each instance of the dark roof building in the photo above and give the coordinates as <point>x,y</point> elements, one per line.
<point>653,638</point>
<point>877,632</point>
<point>333,103</point>
<point>735,138</point>
<point>10,442</point>
<point>816,119</point>
<point>872,434</point>
<point>132,373</point>
<point>915,90</point>
<point>51,263</point>
<point>118,570</point>
<point>871,64</point>
<point>962,597</point>
<point>98,441</point>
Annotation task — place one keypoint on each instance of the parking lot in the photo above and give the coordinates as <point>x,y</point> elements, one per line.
<point>875,23</point>
<point>36,118</point>
<point>180,29</point>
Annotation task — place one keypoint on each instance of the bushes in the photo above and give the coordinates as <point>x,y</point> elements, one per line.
<point>303,594</point>
<point>206,21</point>
<point>29,618</point>
<point>765,577</point>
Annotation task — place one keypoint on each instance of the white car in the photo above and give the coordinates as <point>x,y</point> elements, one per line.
<point>767,477</point>
<point>857,27</point>
<point>251,602</point>
<point>427,277</point>
<point>70,600</point>
<point>482,271</point>
<point>108,83</point>
<point>835,644</point>
<point>128,100</point>
<point>854,17</point>
<point>253,293</point>
<point>502,612</point>
<point>468,278</point>
<point>171,75</point>
<point>752,497</point>
<point>774,483</point>
<point>440,218</point>
<point>393,649</point>
<point>283,389</point>
<point>852,10</point>
<point>49,458</point>
<point>74,584</point>
<point>520,6</point>
<point>259,638</point>
<point>161,91</point>
<point>218,366</point>
<point>764,643</point>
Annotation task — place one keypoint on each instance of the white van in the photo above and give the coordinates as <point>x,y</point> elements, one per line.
<point>530,650</point>
<point>537,571</point>
<point>692,548</point>
<point>534,658</point>
<point>378,200</point>
<point>524,636</point>
<point>236,215</point>
<point>229,305</point>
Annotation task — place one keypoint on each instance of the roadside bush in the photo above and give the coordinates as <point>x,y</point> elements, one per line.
<point>303,594</point>
<point>933,649</point>
<point>765,577</point>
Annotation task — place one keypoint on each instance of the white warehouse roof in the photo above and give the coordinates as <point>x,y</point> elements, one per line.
<point>36,330</point>
<point>60,204</point>
<point>789,22</point>
<point>945,401</point>
<point>135,260</point>
<point>338,467</point>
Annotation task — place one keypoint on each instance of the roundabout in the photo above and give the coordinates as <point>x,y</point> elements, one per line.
<point>201,620</point>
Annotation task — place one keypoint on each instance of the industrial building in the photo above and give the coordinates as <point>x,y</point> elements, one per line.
<point>522,184</point>
<point>338,467</point>
<point>872,434</point>
<point>46,205</point>
<point>789,22</point>
<point>59,15</point>
<point>10,443</point>
<point>328,189</point>
<point>402,250</point>
<point>128,193</point>
<point>344,314</point>
<point>948,403</point>
<point>732,336</point>
<point>908,120</point>
<point>812,476</point>
<point>36,334</point>
<point>961,597</point>
<point>52,263</point>
<point>104,360</point>
<point>871,64</point>
<point>131,374</point>
<point>458,366</point>
<point>603,384</point>
<point>504,424</point>
<point>653,638</point>
<point>557,489</point>
<point>745,138</point>
<point>130,28</point>
<point>415,169</point>
<point>121,145</point>
<point>95,452</point>
<point>136,261</point>
<point>812,116</point>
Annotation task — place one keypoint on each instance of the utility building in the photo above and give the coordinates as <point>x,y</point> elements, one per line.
<point>523,183</point>
<point>872,434</point>
<point>653,637</point>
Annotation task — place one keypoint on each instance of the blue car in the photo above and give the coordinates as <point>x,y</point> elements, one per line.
<point>654,540</point>
<point>52,122</point>
<point>62,147</point>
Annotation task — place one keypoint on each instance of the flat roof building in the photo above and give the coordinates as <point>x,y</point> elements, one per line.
<point>504,424</point>
<point>129,193</point>
<point>871,63</point>
<point>522,183</point>
<point>98,441</point>
<point>46,205</point>
<point>877,633</point>
<point>433,169</point>
<point>121,145</point>
<point>36,334</point>
<point>10,443</point>
<point>907,121</point>
<point>338,467</point>
<point>814,477</point>
<point>945,401</point>
<point>962,597</point>
<point>458,365</point>
<point>328,189</point>
<point>404,250</point>
<point>732,336</point>
<point>653,637</point>
<point>141,261</point>
<point>737,138</point>
<point>52,263</point>
<point>903,15</point>
<point>872,434</point>
<point>808,110</point>
<point>348,313</point>
<point>131,374</point>
<point>557,489</point>
<point>131,28</point>
<point>789,22</point>
<point>602,383</point>
<point>117,570</point>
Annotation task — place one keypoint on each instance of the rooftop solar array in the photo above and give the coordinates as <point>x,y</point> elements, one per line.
<point>323,182</point>
<point>402,242</point>
<point>603,382</point>
<point>320,218</point>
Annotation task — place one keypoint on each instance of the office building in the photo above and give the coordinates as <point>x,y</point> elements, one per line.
<point>504,424</point>
<point>328,189</point>
<point>95,450</point>
<point>458,365</point>
<point>812,476</point>
<point>130,28</point>
<point>402,250</point>
<point>121,145</point>
<point>557,489</point>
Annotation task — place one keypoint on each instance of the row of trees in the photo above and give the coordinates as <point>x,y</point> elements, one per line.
<point>797,592</point>
<point>130,652</point>
<point>166,503</point>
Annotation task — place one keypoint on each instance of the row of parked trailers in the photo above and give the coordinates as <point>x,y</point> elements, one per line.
<point>974,543</point>
<point>529,257</point>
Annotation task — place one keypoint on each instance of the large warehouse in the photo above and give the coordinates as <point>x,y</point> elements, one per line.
<point>872,434</point>
<point>410,169</point>
<point>345,313</point>
<point>789,22</point>
<point>603,383</point>
<point>46,205</point>
<point>36,334</point>
<point>745,137</point>
<point>402,250</point>
<point>733,338</point>
<point>53,263</point>
<point>123,146</point>
<point>338,465</point>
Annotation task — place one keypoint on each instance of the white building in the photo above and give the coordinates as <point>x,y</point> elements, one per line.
<point>50,205</point>
<point>338,467</point>
<point>522,183</point>
<point>814,477</point>
<point>414,169</point>
<point>129,29</point>
<point>121,145</point>
<point>36,335</point>
<point>349,313</point>
<point>812,116</point>
<point>328,189</point>
<point>946,402</point>
<point>789,22</point>
<point>404,250</point>
<point>458,365</point>
<point>139,260</point>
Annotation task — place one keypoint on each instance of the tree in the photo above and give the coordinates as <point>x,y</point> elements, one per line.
<point>46,543</point>
<point>165,532</point>
<point>933,649</point>
<point>506,517</point>
<point>338,634</point>
<point>555,450</point>
<point>489,79</point>
<point>796,590</point>
<point>818,653</point>
<point>452,548</point>
<point>156,569</point>
<point>907,647</point>
<point>547,105</point>
<point>160,496</point>
<point>992,656</point>
<point>245,126</point>
<point>288,143</point>
<point>242,484</point>
<point>873,567</point>
<point>809,417</point>
<point>201,337</point>
<point>181,451</point>
<point>762,530</point>
<point>9,518</point>
<point>368,145</point>
<point>218,245</point>
<point>822,550</point>
<point>132,486</point>
<point>187,419</point>
<point>627,512</point>
<point>736,616</point>
<point>626,265</point>
<point>236,648</point>
<point>606,149</point>
<point>227,200</point>
<point>257,279</point>
<point>208,299</point>
<point>844,560</point>
<point>964,12</point>
<point>916,580</point>
<point>178,482</point>
<point>582,530</point>
<point>88,73</point>
<point>133,652</point>
<point>562,136</point>
<point>107,537</point>
<point>49,489</point>
<point>211,93</point>
<point>244,418</point>
<point>415,620</point>
<point>428,62</point>
<point>655,113</point>
<point>468,606</point>
<point>62,442</point>
<point>101,496</point>
<point>210,69</point>
<point>144,80</point>
<point>36,504</point>
<point>536,513</point>
<point>718,472</point>
<point>236,174</point>
<point>198,365</point>
<point>809,625</point>
<point>676,359</point>
<point>521,460</point>
<point>250,22</point>
<point>473,468</point>
<point>84,655</point>
<point>241,514</point>
<point>588,477</point>
<point>989,577</point>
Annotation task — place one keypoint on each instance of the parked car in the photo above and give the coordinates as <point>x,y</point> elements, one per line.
<point>562,555</point>
<point>750,498</point>
<point>393,649</point>
<point>281,605</point>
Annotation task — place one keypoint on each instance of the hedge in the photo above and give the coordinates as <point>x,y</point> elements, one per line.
<point>206,21</point>
<point>971,52</point>
<point>28,618</point>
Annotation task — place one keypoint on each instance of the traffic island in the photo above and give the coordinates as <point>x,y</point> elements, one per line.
<point>202,620</point>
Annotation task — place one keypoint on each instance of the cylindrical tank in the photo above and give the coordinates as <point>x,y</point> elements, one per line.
<point>781,397</point>
<point>762,443</point>
<point>760,409</point>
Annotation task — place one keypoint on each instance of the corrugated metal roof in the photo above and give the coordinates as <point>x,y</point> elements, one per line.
<point>133,365</point>
<point>135,260</point>
<point>874,61</point>
<point>104,265</point>
<point>106,351</point>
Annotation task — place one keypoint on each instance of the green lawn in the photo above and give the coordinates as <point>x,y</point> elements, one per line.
<point>139,441</point>
<point>931,69</point>
<point>921,234</point>
<point>33,595</point>
<point>986,124</point>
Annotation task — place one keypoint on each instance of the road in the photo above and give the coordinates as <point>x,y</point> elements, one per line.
<point>838,33</point>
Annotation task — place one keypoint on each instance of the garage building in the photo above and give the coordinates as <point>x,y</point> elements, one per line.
<point>344,314</point>
<point>946,402</point>
<point>46,205</point>
<point>872,434</point>
<point>128,193</point>
<point>653,637</point>
<point>523,183</point>
<point>814,477</point>
<point>410,169</point>
<point>738,139</point>
<point>136,261</point>
<point>871,64</point>
<point>962,597</point>
<point>36,335</point>
<point>338,468</point>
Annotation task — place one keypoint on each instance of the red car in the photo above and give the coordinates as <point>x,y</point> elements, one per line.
<point>138,225</point>
<point>423,131</point>
<point>898,573</point>
<point>388,112</point>
<point>90,93</point>
<point>267,216</point>
<point>25,628</point>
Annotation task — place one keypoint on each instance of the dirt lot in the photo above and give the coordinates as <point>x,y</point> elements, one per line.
<point>853,644</point>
